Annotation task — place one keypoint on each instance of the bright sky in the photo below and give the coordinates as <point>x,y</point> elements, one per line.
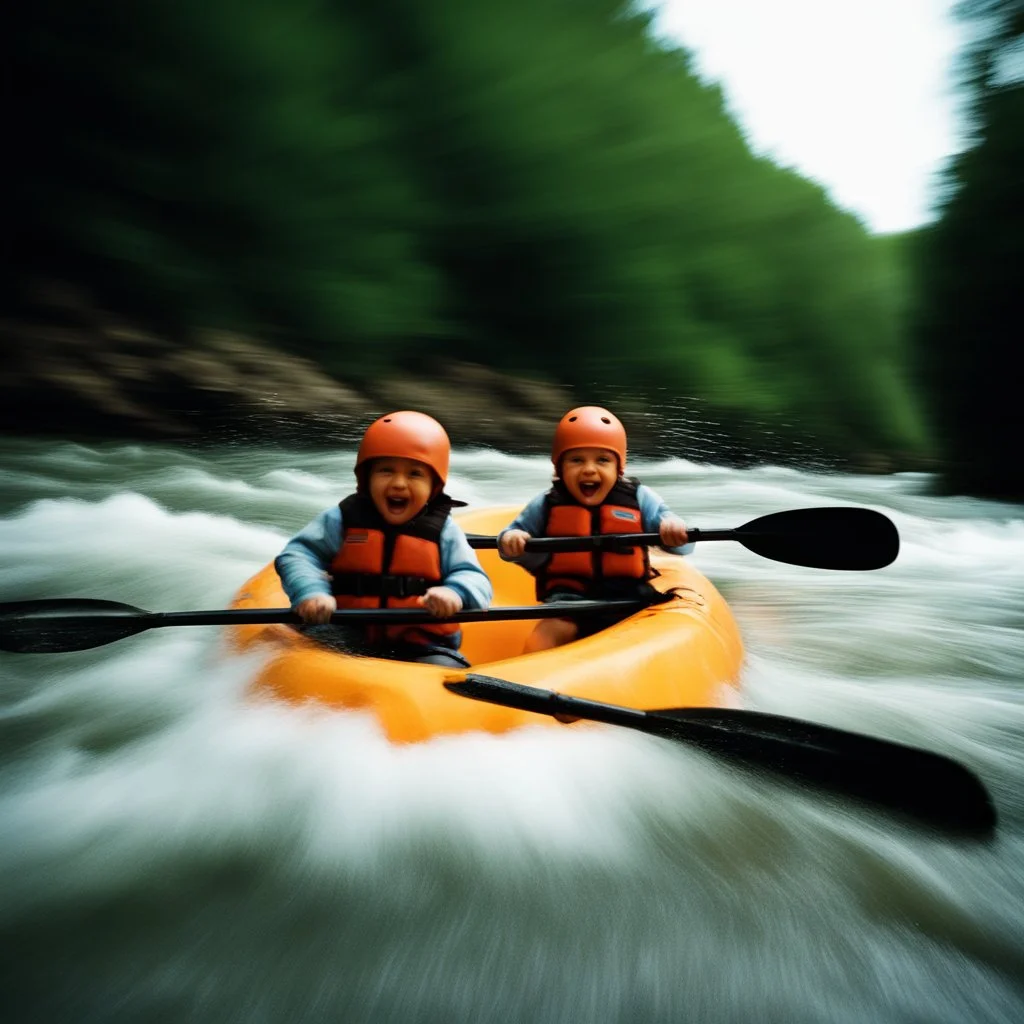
<point>856,94</point>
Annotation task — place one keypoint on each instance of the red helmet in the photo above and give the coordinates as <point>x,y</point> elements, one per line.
<point>589,426</point>
<point>406,435</point>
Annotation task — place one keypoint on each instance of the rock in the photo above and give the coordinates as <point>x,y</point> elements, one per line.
<point>77,369</point>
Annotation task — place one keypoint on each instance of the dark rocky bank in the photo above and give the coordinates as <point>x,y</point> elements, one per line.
<point>74,370</point>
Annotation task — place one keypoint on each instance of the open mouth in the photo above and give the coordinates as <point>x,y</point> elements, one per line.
<point>397,506</point>
<point>589,489</point>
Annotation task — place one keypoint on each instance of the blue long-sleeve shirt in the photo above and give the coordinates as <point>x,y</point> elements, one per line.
<point>306,558</point>
<point>532,519</point>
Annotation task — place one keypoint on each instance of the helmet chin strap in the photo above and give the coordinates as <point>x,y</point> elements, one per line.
<point>438,486</point>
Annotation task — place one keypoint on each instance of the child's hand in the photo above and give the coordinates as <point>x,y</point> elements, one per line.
<point>316,609</point>
<point>672,532</point>
<point>441,601</point>
<point>513,542</point>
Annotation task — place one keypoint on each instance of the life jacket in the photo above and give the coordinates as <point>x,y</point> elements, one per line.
<point>383,566</point>
<point>594,573</point>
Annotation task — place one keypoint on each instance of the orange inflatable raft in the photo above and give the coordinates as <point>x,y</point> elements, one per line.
<point>685,652</point>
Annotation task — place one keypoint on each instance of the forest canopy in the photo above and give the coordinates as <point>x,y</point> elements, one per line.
<point>544,186</point>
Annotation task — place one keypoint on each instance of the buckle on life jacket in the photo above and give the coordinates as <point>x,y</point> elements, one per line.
<point>614,545</point>
<point>384,585</point>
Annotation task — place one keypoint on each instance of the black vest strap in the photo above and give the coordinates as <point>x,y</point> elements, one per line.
<point>622,493</point>
<point>359,512</point>
<point>363,584</point>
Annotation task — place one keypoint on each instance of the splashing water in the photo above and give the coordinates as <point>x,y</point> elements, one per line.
<point>170,850</point>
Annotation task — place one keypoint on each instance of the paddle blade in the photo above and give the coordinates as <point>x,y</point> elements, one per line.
<point>823,538</point>
<point>70,624</point>
<point>929,788</point>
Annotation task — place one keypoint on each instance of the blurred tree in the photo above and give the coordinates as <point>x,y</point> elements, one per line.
<point>969,312</point>
<point>540,185</point>
<point>217,163</point>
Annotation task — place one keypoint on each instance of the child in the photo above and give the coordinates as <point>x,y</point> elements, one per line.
<point>391,544</point>
<point>590,496</point>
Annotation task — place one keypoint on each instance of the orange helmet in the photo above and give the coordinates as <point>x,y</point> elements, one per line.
<point>406,435</point>
<point>589,426</point>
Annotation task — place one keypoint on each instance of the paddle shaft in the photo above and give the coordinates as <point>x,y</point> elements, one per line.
<point>374,616</point>
<point>598,542</point>
<point>70,624</point>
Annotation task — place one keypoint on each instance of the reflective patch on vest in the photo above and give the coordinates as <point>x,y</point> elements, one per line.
<point>624,513</point>
<point>357,537</point>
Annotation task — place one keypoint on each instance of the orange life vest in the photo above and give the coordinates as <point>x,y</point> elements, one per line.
<point>591,572</point>
<point>383,566</point>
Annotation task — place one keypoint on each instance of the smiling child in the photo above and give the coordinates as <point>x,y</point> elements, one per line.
<point>392,544</point>
<point>590,495</point>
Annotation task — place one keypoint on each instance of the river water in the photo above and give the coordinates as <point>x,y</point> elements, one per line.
<point>172,851</point>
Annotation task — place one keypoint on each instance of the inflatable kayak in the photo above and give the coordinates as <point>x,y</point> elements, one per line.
<point>685,652</point>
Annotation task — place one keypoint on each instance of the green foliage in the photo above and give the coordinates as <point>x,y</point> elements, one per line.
<point>539,185</point>
<point>968,319</point>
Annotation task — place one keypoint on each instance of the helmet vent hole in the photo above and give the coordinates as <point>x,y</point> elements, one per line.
<point>604,419</point>
<point>387,419</point>
<point>572,419</point>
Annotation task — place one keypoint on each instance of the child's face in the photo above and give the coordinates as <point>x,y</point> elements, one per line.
<point>589,473</point>
<point>400,488</point>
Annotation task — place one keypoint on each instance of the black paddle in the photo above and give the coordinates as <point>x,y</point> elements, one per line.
<point>928,788</point>
<point>821,538</point>
<point>73,624</point>
<point>824,538</point>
